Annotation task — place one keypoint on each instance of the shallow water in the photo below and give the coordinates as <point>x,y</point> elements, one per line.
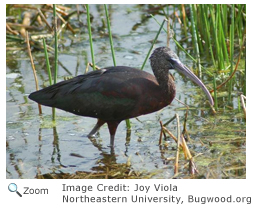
<point>36,145</point>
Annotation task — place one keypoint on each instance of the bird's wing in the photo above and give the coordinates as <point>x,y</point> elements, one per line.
<point>105,94</point>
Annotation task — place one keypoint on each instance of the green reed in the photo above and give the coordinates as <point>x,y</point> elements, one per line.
<point>231,50</point>
<point>153,43</point>
<point>195,35</point>
<point>90,37</point>
<point>110,34</point>
<point>56,44</point>
<point>56,54</point>
<point>217,30</point>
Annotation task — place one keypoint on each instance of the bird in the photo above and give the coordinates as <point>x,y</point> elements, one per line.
<point>117,93</point>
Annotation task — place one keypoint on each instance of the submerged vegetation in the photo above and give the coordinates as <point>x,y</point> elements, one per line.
<point>212,36</point>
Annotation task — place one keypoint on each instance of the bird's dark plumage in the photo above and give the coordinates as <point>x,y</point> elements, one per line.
<point>110,94</point>
<point>117,93</point>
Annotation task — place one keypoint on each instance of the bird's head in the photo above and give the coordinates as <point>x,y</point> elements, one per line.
<point>163,59</point>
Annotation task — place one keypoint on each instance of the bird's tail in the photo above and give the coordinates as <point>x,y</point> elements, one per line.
<point>43,97</point>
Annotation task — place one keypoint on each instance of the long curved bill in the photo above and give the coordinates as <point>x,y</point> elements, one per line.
<point>185,70</point>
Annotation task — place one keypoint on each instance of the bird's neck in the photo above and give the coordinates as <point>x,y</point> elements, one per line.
<point>165,81</point>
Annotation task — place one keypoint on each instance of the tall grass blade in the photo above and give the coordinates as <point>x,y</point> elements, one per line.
<point>110,34</point>
<point>56,44</point>
<point>153,43</point>
<point>90,37</point>
<point>194,37</point>
<point>232,26</point>
<point>223,42</point>
<point>219,38</point>
<point>215,35</point>
<point>208,33</point>
<point>56,55</point>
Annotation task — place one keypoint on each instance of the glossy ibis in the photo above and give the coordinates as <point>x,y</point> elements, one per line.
<point>114,94</point>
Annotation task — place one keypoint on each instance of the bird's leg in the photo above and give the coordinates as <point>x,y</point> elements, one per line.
<point>96,128</point>
<point>112,126</point>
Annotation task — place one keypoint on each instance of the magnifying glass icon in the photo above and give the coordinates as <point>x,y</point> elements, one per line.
<point>13,188</point>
